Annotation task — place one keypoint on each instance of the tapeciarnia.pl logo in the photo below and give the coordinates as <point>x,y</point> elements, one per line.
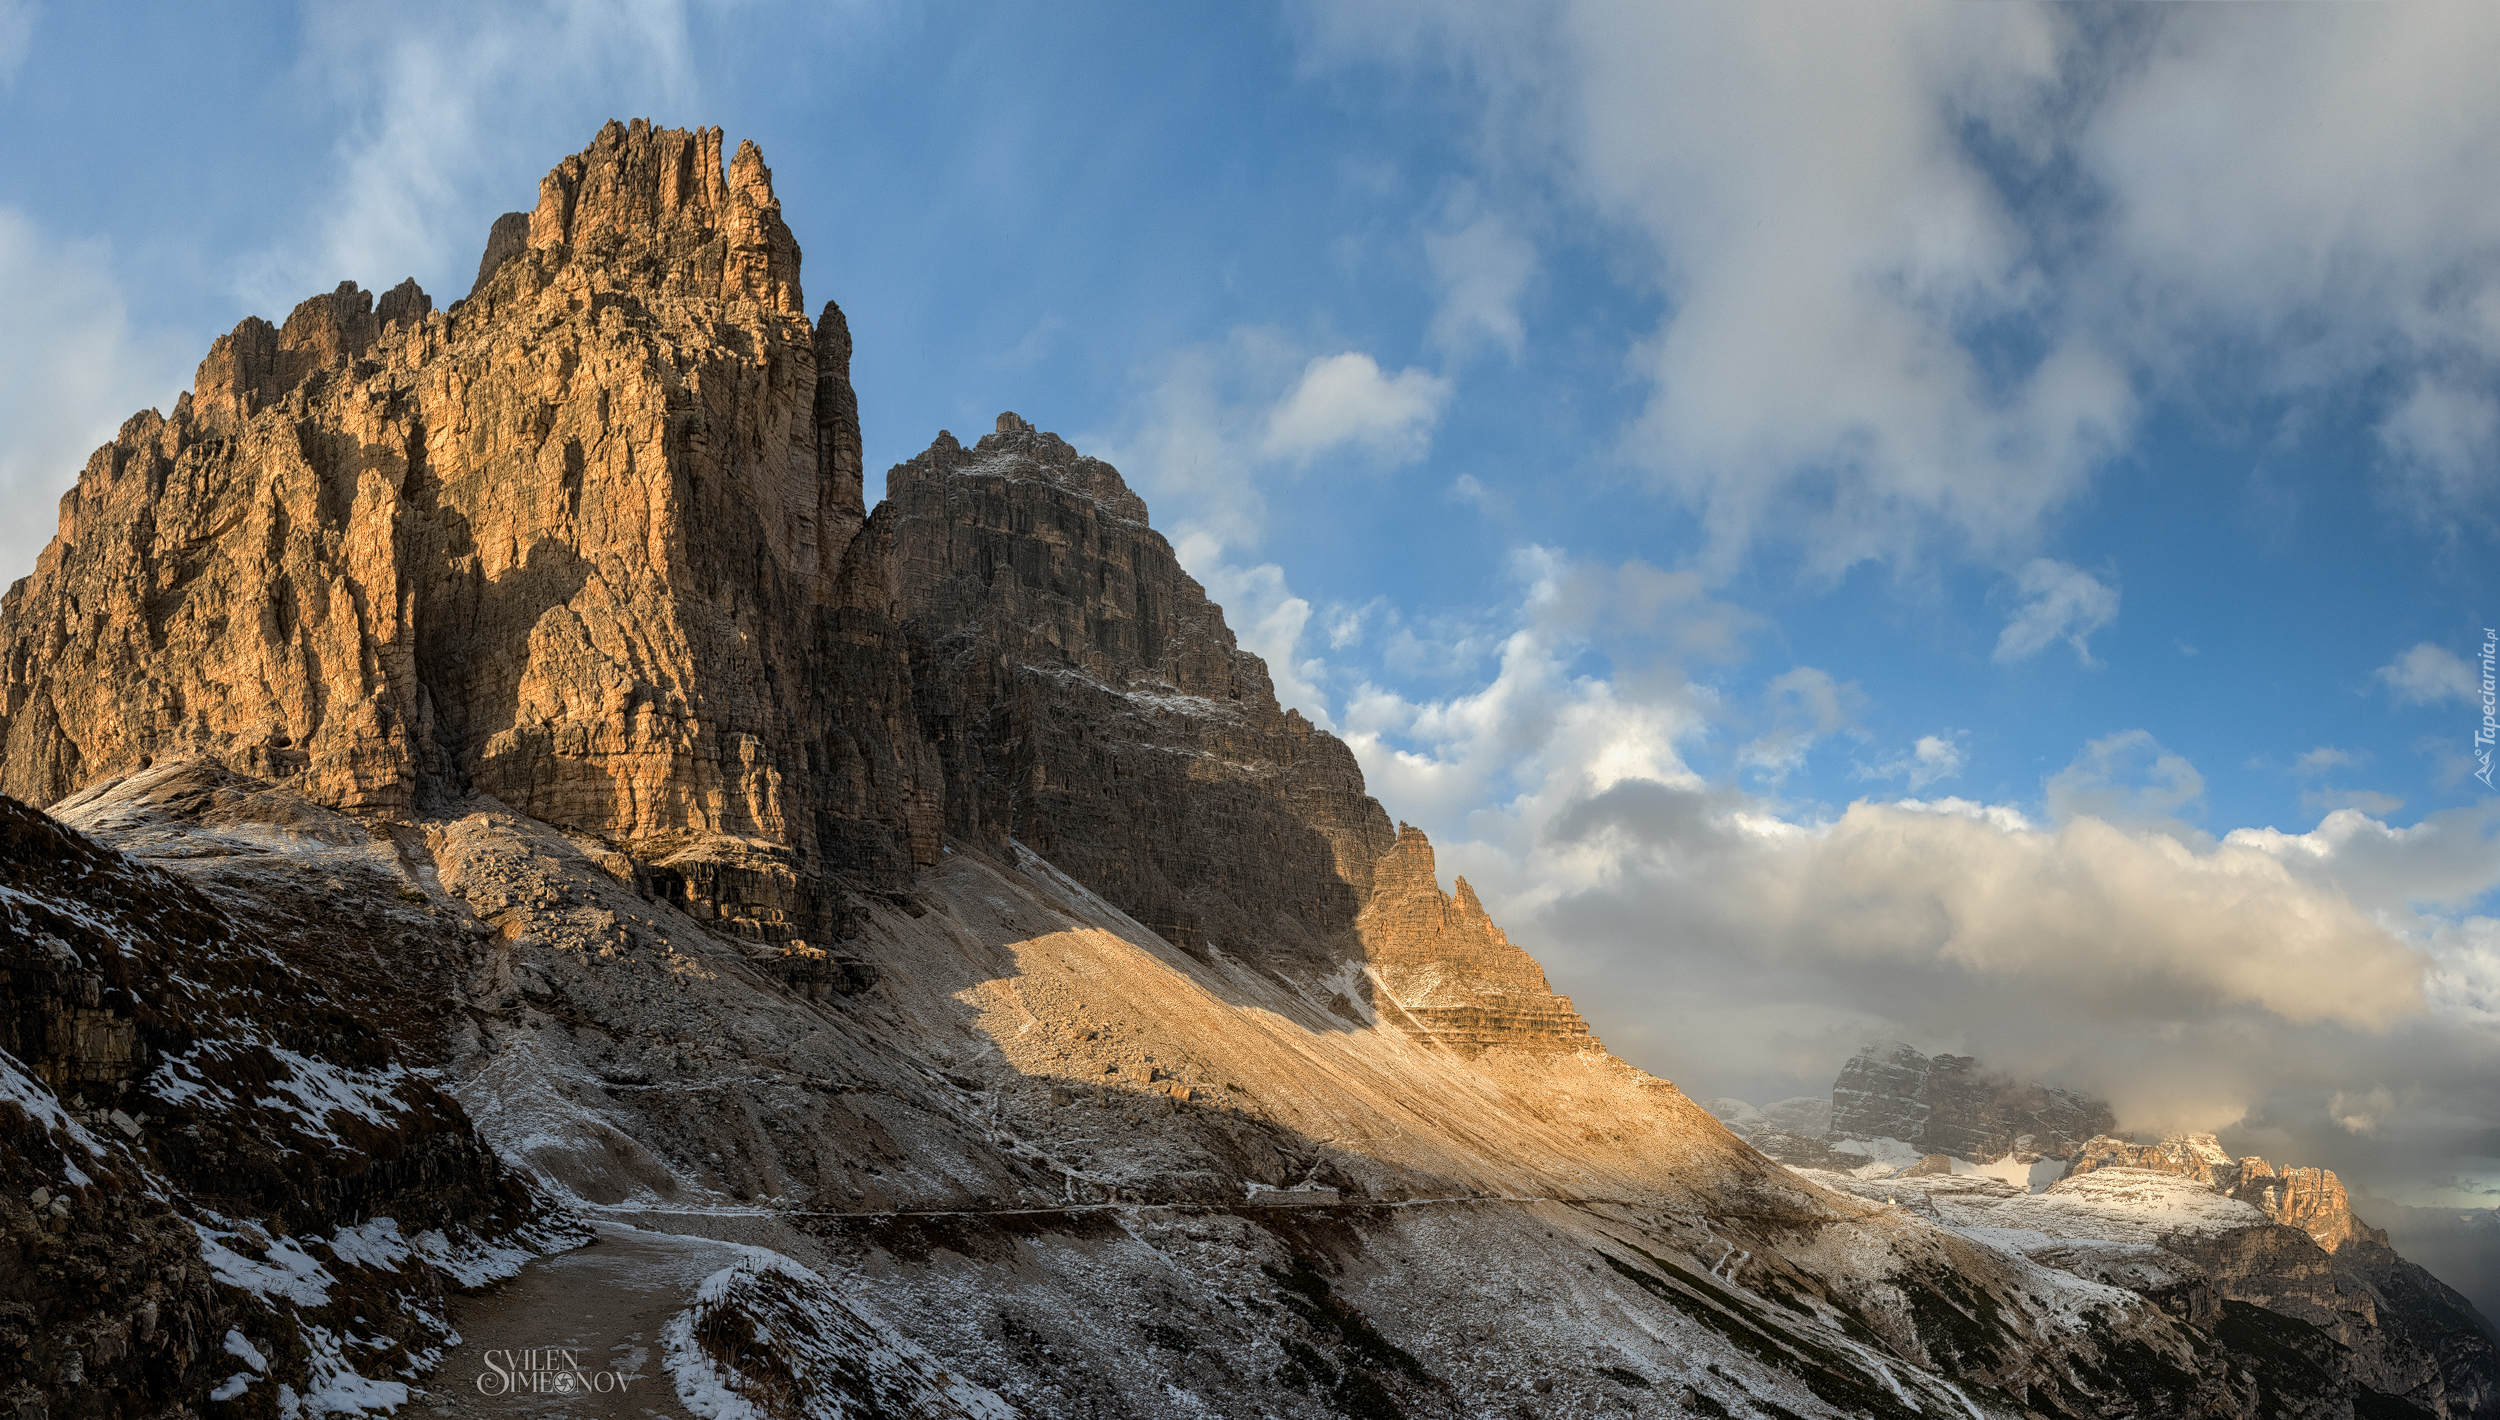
<point>2491,708</point>
<point>545,1370</point>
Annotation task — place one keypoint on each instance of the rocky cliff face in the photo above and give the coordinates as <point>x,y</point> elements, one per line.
<point>1944,1104</point>
<point>1449,974</point>
<point>211,1142</point>
<point>2408,1332</point>
<point>582,543</point>
<point>1089,702</point>
<point>2310,1199</point>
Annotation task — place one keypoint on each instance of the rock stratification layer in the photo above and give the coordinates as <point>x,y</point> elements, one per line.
<point>1449,973</point>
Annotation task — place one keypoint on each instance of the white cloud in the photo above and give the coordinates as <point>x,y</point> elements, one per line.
<point>71,370</point>
<point>17,35</point>
<point>2326,758</point>
<point>2127,778</point>
<point>448,115</point>
<point>1482,268</point>
<point>1930,760</point>
<point>2060,603</point>
<point>1919,259</point>
<point>2445,440</point>
<point>1344,400</point>
<point>2429,674</point>
<point>2446,862</point>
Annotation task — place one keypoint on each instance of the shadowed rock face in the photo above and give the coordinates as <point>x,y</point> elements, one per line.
<point>1089,701</point>
<point>583,543</point>
<point>1944,1105</point>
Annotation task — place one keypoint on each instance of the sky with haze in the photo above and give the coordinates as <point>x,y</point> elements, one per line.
<point>1968,524</point>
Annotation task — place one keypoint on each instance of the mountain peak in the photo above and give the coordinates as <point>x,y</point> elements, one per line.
<point>641,196</point>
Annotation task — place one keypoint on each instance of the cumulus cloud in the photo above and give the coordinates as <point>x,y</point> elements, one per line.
<point>1482,269</point>
<point>1344,400</point>
<point>2429,674</point>
<point>1920,275</point>
<point>2189,984</point>
<point>2445,863</point>
<point>72,369</point>
<point>2060,603</point>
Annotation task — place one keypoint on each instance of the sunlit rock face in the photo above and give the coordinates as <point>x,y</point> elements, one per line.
<point>1450,973</point>
<point>583,542</point>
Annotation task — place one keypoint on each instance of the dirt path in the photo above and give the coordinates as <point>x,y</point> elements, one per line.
<point>601,1307</point>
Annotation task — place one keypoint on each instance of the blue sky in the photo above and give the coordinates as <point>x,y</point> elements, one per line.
<point>1661,438</point>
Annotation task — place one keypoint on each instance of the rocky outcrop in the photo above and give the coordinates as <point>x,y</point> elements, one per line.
<point>2409,1333</point>
<point>1450,975</point>
<point>1089,702</point>
<point>582,543</point>
<point>2310,1199</point>
<point>1944,1104</point>
<point>200,1116</point>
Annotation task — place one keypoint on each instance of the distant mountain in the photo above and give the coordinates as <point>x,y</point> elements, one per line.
<point>2179,1221</point>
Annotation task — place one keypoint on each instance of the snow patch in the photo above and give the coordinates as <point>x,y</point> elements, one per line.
<point>834,1354</point>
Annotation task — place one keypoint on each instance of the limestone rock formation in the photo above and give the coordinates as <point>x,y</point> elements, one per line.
<point>1944,1104</point>
<point>2310,1199</point>
<point>1090,703</point>
<point>581,543</point>
<point>1448,970</point>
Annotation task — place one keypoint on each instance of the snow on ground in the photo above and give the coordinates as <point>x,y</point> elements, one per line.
<point>1884,1157</point>
<point>2114,1205</point>
<point>832,1354</point>
<point>2033,1177</point>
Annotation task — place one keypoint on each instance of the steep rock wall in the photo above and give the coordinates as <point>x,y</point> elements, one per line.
<point>583,543</point>
<point>1090,702</point>
<point>1451,973</point>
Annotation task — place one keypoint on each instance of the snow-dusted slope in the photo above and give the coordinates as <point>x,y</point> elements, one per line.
<point>221,1177</point>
